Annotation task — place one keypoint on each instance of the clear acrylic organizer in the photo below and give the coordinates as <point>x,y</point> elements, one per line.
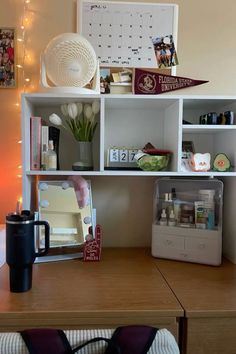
<point>187,220</point>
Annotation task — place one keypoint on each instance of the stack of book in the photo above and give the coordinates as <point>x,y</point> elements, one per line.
<point>121,82</point>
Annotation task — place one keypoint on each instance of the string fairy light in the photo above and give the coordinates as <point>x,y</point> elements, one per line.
<point>25,23</point>
<point>20,65</point>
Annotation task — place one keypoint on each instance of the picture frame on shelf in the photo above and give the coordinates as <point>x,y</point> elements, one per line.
<point>188,146</point>
<point>105,79</point>
<point>187,152</point>
<point>7,58</point>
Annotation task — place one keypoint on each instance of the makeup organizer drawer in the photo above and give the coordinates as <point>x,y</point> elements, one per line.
<point>188,220</point>
<point>199,246</point>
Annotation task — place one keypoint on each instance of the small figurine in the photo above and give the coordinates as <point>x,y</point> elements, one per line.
<point>201,162</point>
<point>221,163</point>
<point>92,246</point>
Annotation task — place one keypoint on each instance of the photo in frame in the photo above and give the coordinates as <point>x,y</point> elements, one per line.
<point>187,152</point>
<point>188,146</point>
<point>105,80</point>
<point>7,58</point>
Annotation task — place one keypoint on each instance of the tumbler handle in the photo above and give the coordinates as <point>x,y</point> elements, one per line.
<point>47,233</point>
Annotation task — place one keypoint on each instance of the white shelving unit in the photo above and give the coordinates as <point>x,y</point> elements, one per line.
<point>132,121</point>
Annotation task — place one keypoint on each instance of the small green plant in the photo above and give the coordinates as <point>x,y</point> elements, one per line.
<point>79,119</point>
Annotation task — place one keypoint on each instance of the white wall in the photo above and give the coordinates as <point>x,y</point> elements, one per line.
<point>206,50</point>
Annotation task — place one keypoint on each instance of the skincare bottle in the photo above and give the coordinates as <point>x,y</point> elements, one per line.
<point>167,203</point>
<point>208,196</point>
<point>200,214</point>
<point>210,212</point>
<point>187,213</point>
<point>44,157</point>
<point>173,193</point>
<point>176,206</point>
<point>163,219</point>
<point>171,220</point>
<point>177,210</point>
<point>51,157</point>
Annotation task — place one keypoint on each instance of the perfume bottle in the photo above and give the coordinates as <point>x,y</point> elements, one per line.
<point>51,157</point>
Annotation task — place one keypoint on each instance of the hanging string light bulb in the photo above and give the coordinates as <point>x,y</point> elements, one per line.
<point>23,78</point>
<point>24,24</point>
<point>22,46</point>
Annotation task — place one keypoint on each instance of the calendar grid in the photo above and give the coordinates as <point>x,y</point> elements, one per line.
<point>121,33</point>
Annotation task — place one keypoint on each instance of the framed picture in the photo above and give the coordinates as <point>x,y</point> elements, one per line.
<point>7,58</point>
<point>105,80</point>
<point>187,146</point>
<point>187,153</point>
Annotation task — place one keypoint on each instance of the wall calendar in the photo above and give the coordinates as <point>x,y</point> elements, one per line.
<point>122,33</point>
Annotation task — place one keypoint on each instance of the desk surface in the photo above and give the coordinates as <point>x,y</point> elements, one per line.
<point>124,284</point>
<point>127,285</point>
<point>203,291</point>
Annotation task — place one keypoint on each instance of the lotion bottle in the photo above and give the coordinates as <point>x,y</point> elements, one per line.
<point>51,157</point>
<point>163,219</point>
<point>171,220</point>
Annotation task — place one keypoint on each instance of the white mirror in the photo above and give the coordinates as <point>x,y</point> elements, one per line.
<point>58,204</point>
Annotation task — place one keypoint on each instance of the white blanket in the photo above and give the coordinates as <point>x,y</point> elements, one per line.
<point>164,343</point>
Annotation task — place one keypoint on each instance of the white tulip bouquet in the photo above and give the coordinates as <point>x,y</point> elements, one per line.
<point>79,119</point>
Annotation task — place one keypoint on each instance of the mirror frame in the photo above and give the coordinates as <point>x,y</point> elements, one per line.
<point>64,251</point>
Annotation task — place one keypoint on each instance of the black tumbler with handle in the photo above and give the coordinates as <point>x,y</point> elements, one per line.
<point>20,248</point>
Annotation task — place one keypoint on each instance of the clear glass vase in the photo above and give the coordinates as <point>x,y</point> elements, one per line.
<point>85,157</point>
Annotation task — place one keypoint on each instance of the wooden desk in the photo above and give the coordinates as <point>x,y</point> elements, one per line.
<point>208,296</point>
<point>123,288</point>
<point>129,286</point>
